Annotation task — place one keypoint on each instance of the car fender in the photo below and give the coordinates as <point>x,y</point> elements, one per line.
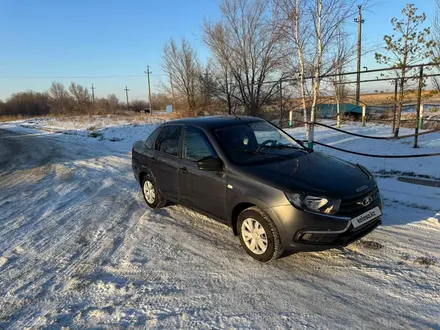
<point>147,170</point>
<point>263,206</point>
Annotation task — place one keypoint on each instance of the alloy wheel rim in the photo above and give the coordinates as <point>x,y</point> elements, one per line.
<point>149,193</point>
<point>254,236</point>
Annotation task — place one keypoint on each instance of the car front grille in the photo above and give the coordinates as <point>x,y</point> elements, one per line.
<point>353,206</point>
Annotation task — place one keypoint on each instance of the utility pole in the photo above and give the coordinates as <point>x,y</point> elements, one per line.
<point>207,74</point>
<point>93,93</point>
<point>359,20</point>
<point>126,95</point>
<point>172,91</point>
<point>148,72</point>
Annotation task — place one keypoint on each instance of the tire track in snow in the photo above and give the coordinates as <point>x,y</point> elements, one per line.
<point>89,258</point>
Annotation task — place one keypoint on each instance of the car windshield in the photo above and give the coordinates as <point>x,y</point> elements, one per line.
<point>256,142</point>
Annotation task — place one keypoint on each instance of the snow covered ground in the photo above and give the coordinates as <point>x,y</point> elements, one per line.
<point>79,248</point>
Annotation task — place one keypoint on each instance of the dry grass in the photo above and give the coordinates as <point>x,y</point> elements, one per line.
<point>388,98</point>
<point>11,118</point>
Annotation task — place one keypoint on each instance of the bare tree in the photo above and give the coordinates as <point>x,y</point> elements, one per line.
<point>290,17</point>
<point>217,38</point>
<point>247,46</point>
<point>217,83</point>
<point>340,89</point>
<point>224,88</point>
<point>312,30</point>
<point>112,102</point>
<point>79,93</point>
<point>57,91</point>
<point>182,64</point>
<point>59,97</point>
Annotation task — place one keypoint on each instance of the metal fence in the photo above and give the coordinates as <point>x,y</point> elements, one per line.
<point>378,103</point>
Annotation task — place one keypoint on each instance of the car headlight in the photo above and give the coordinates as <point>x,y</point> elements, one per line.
<point>313,203</point>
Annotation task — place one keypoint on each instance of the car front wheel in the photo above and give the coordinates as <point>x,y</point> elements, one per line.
<point>259,235</point>
<point>152,196</point>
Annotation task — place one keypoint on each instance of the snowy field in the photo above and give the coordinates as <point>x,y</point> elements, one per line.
<point>79,247</point>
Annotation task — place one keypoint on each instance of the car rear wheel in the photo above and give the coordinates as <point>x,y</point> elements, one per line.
<point>258,235</point>
<point>152,196</point>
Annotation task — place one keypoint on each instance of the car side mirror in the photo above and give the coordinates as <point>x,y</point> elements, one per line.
<point>210,164</point>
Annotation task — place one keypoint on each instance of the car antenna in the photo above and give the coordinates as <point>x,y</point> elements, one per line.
<point>235,115</point>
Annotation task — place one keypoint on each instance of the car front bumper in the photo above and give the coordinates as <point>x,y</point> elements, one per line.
<point>306,231</point>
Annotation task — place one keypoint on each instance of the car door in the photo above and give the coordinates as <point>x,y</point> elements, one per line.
<point>165,161</point>
<point>203,190</point>
<point>146,153</point>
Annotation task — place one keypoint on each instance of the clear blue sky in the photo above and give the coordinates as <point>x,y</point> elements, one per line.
<point>95,38</point>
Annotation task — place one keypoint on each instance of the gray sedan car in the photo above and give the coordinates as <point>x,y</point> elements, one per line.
<point>272,191</point>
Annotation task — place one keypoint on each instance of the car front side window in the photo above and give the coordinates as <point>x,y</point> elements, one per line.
<point>168,140</point>
<point>150,139</point>
<point>196,145</point>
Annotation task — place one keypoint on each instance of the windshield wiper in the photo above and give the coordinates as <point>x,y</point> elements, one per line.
<point>253,152</point>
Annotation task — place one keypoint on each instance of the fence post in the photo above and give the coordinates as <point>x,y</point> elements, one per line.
<point>290,117</point>
<point>419,106</point>
<point>396,81</point>
<point>364,115</point>
<point>421,117</point>
<point>338,111</point>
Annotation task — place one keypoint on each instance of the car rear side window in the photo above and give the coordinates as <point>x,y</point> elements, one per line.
<point>196,145</point>
<point>168,140</point>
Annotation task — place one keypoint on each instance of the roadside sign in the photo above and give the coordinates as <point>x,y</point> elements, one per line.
<point>169,109</point>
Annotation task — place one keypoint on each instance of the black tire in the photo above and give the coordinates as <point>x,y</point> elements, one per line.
<point>159,200</point>
<point>274,247</point>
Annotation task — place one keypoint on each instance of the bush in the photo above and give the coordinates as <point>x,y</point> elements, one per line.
<point>97,135</point>
<point>139,106</point>
<point>27,104</point>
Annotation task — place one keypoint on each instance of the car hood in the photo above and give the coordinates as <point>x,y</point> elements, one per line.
<point>314,173</point>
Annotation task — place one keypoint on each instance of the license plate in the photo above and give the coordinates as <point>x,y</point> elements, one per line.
<point>366,217</point>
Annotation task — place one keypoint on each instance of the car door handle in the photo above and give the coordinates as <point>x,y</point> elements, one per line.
<point>183,169</point>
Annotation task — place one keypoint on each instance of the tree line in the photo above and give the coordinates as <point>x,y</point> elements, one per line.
<point>74,100</point>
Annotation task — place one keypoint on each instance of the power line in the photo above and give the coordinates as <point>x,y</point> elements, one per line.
<point>355,72</point>
<point>79,77</point>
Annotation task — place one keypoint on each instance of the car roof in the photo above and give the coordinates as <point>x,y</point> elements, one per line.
<point>212,122</point>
